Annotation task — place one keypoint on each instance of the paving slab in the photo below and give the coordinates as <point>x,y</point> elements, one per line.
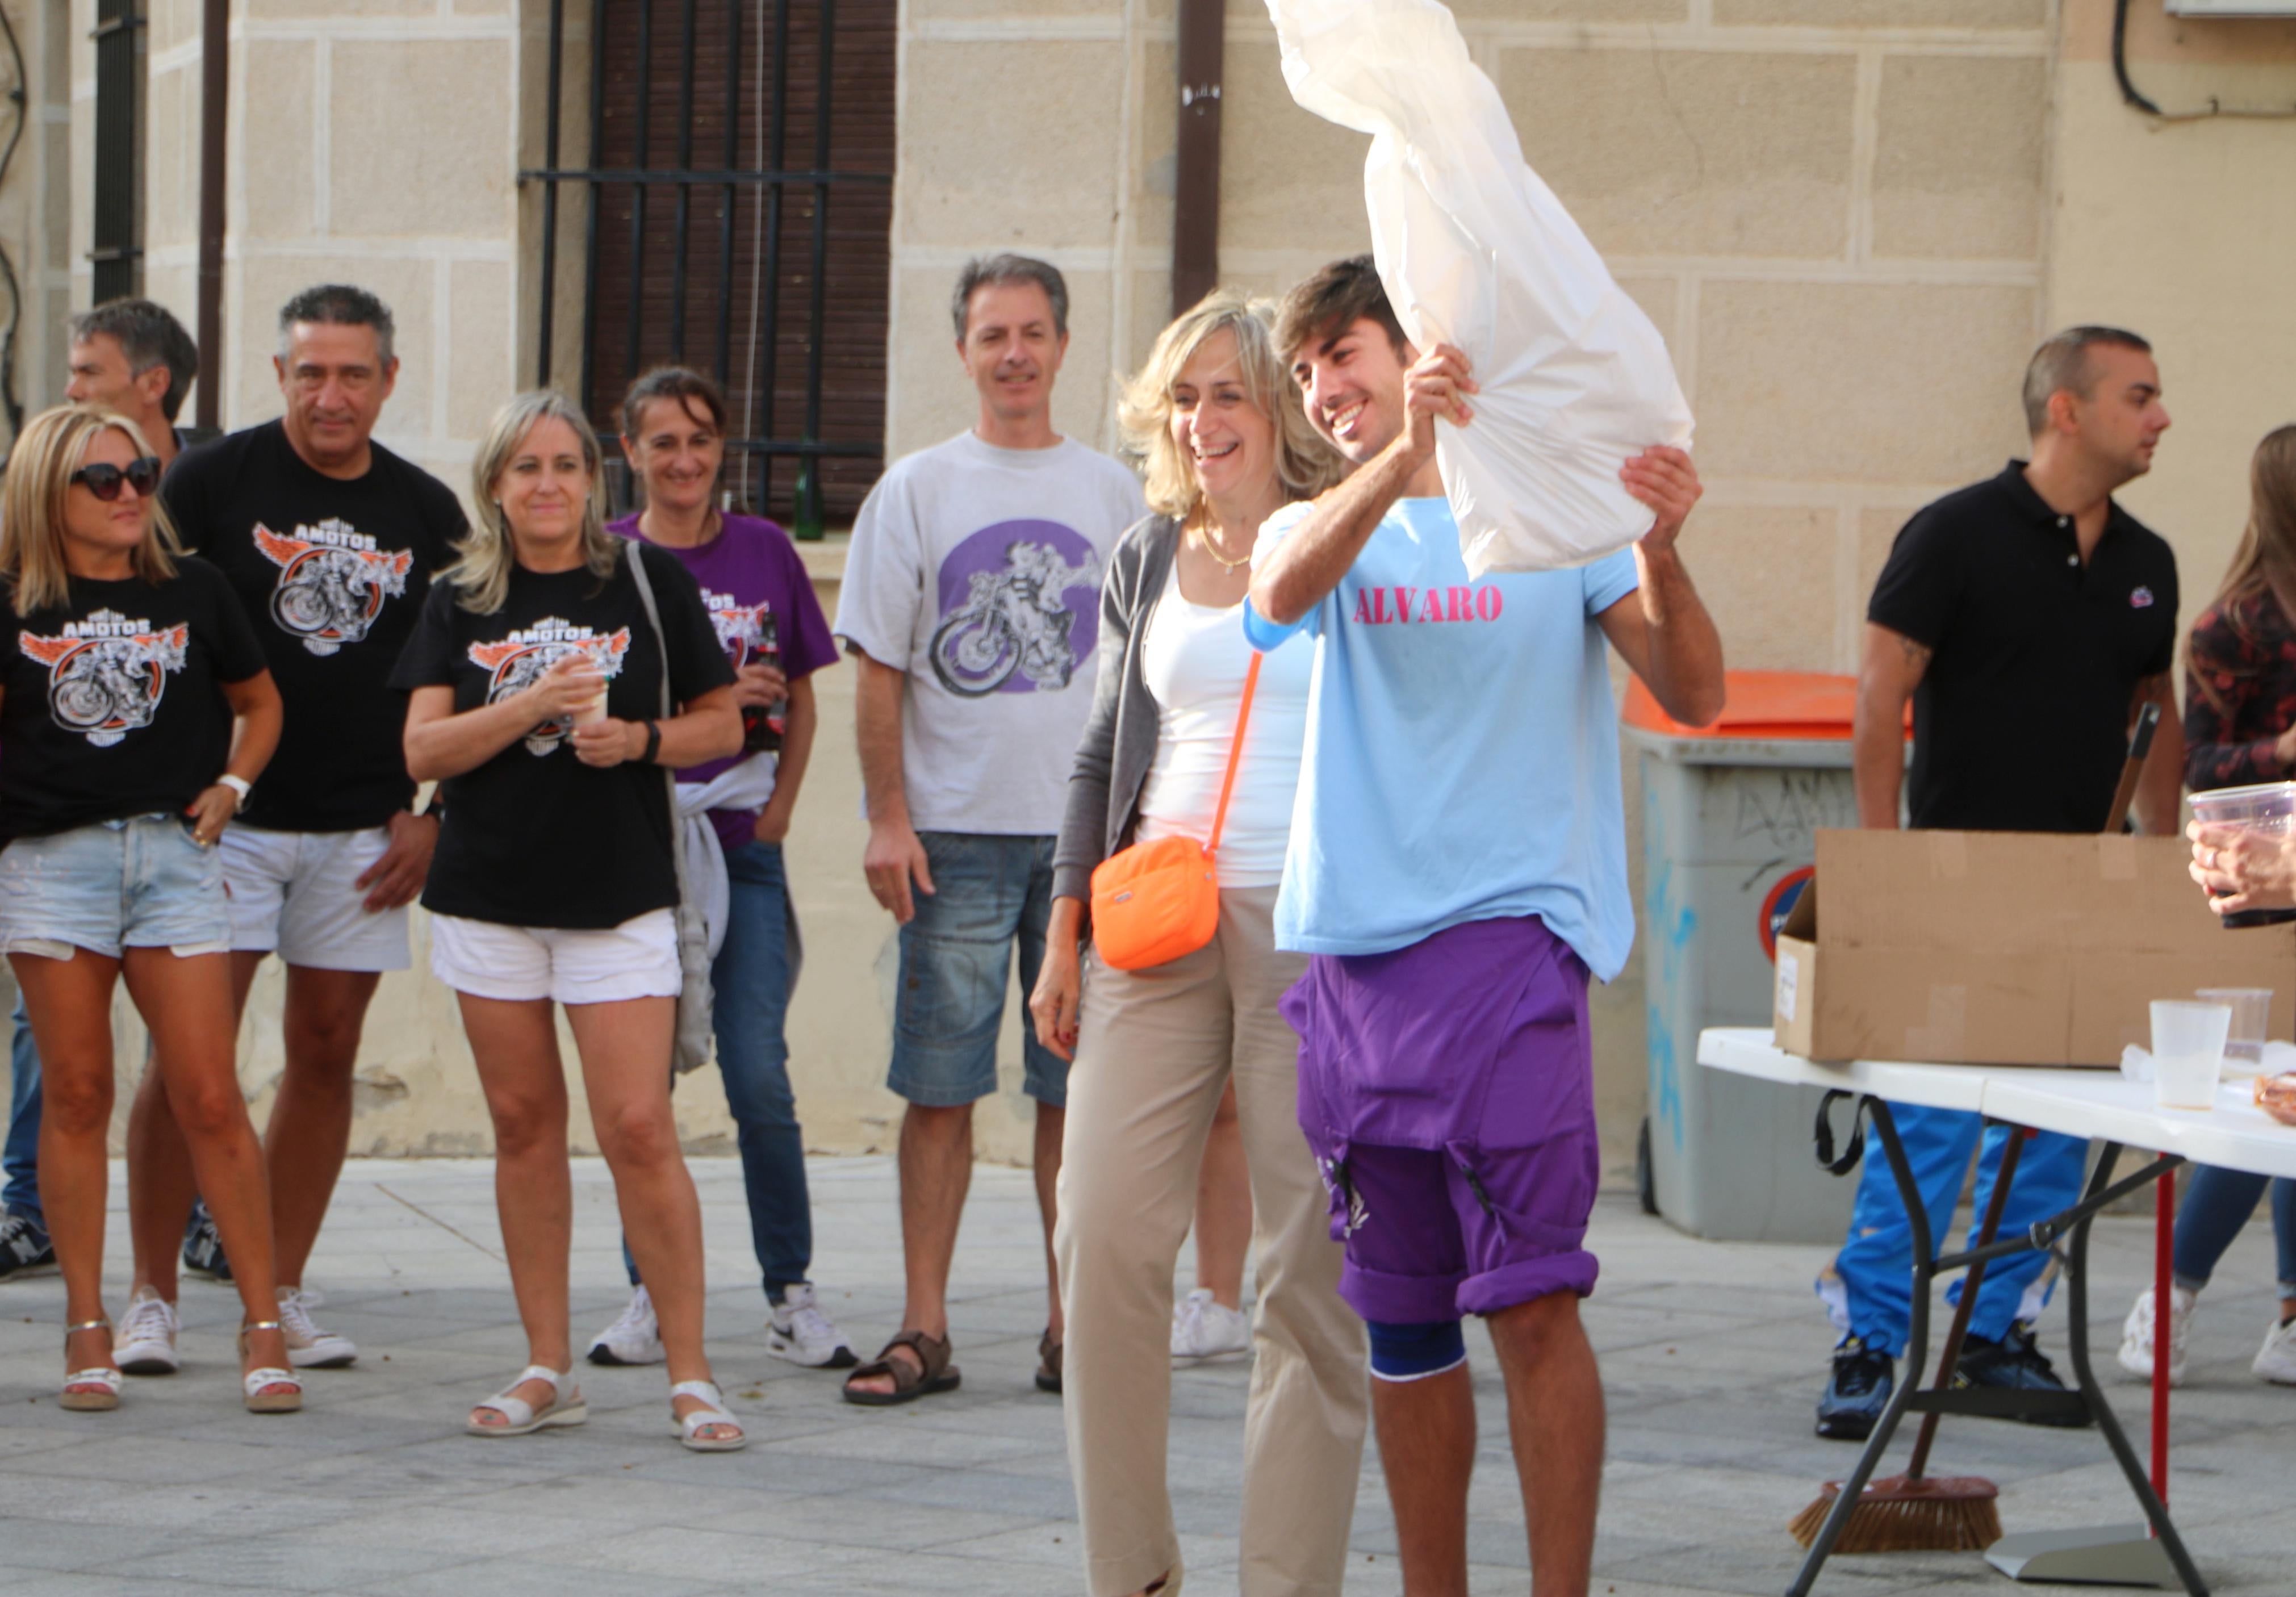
<point>1713,1354</point>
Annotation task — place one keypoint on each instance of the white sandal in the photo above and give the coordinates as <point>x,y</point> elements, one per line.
<point>252,1383</point>
<point>103,1376</point>
<point>689,1426</point>
<point>565,1407</point>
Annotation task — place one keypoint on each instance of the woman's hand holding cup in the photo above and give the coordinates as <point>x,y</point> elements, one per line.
<point>2242,870</point>
<point>572,691</point>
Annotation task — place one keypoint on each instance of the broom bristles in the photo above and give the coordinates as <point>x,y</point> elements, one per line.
<point>1953,1513</point>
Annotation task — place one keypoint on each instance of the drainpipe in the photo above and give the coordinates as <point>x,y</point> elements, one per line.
<point>1195,217</point>
<point>215,83</point>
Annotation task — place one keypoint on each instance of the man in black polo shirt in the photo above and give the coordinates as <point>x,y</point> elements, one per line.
<point>2029,617</point>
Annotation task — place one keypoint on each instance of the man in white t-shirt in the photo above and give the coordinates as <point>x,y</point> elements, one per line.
<point>971,603</point>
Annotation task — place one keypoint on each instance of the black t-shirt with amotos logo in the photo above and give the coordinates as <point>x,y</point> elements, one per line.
<point>333,573</point>
<point>111,704</point>
<point>534,836</point>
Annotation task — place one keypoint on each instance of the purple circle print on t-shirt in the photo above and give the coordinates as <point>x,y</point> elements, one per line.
<point>1020,610</point>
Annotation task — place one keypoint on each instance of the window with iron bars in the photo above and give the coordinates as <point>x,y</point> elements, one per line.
<point>732,213</point>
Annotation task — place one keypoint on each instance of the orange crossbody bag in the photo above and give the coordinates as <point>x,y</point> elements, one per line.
<point>1154,902</point>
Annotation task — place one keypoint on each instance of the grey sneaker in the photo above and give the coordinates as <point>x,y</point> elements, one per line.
<point>25,1250</point>
<point>800,1332</point>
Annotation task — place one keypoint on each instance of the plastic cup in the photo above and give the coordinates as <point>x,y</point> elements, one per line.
<point>2267,808</point>
<point>2252,1014</point>
<point>591,713</point>
<point>2188,1043</point>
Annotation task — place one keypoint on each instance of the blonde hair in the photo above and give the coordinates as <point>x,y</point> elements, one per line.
<point>1304,461</point>
<point>51,449</point>
<point>481,577</point>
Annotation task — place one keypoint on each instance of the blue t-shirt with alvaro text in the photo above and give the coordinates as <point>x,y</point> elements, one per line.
<point>1462,761</point>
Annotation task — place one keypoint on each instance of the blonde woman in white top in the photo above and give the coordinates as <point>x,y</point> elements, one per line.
<point>1225,444</point>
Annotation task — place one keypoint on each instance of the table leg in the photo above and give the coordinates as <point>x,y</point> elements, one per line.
<point>1917,1352</point>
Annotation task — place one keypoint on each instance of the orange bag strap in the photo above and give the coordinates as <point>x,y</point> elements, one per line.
<point>1234,747</point>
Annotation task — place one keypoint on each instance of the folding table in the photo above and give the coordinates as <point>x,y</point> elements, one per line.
<point>2097,1104</point>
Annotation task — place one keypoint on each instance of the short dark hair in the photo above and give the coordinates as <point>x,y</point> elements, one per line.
<point>2062,361</point>
<point>688,387</point>
<point>148,335</point>
<point>340,304</point>
<point>1332,301</point>
<point>986,271</point>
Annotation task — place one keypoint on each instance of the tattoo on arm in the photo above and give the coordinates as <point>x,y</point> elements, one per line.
<point>1917,655</point>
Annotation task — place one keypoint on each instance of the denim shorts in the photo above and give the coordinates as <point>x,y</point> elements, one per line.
<point>991,891</point>
<point>139,883</point>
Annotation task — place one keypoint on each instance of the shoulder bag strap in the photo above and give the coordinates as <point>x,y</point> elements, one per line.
<point>662,648</point>
<point>1234,749</point>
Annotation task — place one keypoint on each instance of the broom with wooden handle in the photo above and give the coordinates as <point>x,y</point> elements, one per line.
<point>1916,1511</point>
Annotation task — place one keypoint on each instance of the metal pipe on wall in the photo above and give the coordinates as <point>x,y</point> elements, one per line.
<point>1195,212</point>
<point>215,85</point>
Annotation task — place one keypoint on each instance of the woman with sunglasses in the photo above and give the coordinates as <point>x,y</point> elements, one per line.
<point>136,713</point>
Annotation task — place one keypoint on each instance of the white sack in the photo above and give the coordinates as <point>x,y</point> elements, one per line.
<point>1476,251</point>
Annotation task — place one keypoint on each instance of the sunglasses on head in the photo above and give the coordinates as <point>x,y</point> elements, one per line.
<point>103,479</point>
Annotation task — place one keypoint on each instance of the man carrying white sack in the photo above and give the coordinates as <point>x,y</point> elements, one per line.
<point>1457,871</point>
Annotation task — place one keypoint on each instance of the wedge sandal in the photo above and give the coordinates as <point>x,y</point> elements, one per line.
<point>909,1382</point>
<point>689,1427</point>
<point>521,1418</point>
<point>255,1384</point>
<point>104,1380</point>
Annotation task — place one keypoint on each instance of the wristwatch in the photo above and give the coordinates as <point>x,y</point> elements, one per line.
<point>239,785</point>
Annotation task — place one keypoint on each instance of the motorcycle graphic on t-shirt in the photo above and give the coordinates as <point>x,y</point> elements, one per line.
<point>521,660</point>
<point>106,674</point>
<point>1013,626</point>
<point>332,582</point>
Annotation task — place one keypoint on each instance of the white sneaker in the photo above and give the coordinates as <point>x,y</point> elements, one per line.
<point>308,1348</point>
<point>2136,1354</point>
<point>1203,1328</point>
<point>634,1339</point>
<point>2276,1361</point>
<point>800,1332</point>
<point>145,1344</point>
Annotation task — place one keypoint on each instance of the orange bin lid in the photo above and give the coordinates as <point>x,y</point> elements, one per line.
<point>1759,704</point>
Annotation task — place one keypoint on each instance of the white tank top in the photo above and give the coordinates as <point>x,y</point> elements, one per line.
<point>1193,662</point>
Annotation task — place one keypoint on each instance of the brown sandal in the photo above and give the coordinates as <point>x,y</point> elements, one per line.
<point>937,1374</point>
<point>1048,1364</point>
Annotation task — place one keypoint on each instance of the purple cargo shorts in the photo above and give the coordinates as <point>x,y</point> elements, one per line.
<point>1447,1090</point>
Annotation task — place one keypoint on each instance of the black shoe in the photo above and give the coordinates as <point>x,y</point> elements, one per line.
<point>203,1246</point>
<point>1862,1380</point>
<point>25,1250</point>
<point>2014,1363</point>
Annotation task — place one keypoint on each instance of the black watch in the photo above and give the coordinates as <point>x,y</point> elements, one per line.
<point>653,742</point>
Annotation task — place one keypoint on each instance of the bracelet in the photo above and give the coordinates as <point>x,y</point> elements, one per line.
<point>240,787</point>
<point>653,742</point>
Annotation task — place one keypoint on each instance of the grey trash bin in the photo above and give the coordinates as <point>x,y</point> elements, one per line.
<point>1729,814</point>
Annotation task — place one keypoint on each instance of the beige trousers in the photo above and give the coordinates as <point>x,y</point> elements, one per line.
<point>1155,1049</point>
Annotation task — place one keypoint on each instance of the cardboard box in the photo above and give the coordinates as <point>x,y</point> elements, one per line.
<point>2007,948</point>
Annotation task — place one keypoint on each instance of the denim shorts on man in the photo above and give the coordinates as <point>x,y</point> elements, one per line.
<point>296,893</point>
<point>991,891</point>
<point>138,883</point>
<point>1447,1091</point>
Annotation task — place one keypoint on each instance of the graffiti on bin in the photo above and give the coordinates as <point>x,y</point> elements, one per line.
<point>1785,808</point>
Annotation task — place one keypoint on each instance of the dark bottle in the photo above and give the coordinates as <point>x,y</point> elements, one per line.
<point>762,724</point>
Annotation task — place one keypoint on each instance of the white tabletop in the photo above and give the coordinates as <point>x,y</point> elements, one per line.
<point>2084,1103</point>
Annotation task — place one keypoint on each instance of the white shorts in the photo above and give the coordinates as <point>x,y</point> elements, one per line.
<point>295,894</point>
<point>638,959</point>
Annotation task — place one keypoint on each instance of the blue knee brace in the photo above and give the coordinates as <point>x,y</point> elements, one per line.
<point>1415,1352</point>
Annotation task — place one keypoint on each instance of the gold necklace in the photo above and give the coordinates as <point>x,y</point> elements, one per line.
<point>1204,540</point>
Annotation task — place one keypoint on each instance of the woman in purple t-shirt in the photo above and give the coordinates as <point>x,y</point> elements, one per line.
<point>761,602</point>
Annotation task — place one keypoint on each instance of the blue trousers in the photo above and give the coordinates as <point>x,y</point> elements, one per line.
<point>20,1159</point>
<point>2216,1206</point>
<point>1876,1262</point>
<point>751,983</point>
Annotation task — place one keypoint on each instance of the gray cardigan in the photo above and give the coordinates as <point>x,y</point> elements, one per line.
<point>1120,739</point>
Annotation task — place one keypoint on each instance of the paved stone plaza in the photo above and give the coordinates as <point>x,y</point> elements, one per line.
<point>1711,1354</point>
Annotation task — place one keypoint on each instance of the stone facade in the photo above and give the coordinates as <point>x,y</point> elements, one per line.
<point>1850,218</point>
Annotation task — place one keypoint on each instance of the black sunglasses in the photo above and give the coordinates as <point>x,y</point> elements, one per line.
<point>103,479</point>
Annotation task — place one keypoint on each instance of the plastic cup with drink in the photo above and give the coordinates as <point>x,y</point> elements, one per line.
<point>2252,1015</point>
<point>2188,1045</point>
<point>2268,810</point>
